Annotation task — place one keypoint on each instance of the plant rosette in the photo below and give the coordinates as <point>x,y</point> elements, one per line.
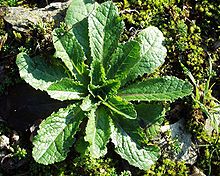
<point>100,74</point>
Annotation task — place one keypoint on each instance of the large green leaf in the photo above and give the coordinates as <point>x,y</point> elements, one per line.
<point>56,135</point>
<point>105,28</point>
<point>146,126</point>
<point>77,21</point>
<point>121,107</point>
<point>124,59</point>
<point>67,89</point>
<point>98,131</point>
<point>80,31</point>
<point>70,52</point>
<point>79,10</point>
<point>153,52</point>
<point>129,150</point>
<point>39,73</point>
<point>157,89</point>
<point>131,126</point>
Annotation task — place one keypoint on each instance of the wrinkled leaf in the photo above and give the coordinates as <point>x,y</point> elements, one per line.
<point>67,89</point>
<point>38,72</point>
<point>56,135</point>
<point>124,59</point>
<point>131,127</point>
<point>142,158</point>
<point>98,131</point>
<point>153,53</point>
<point>79,10</point>
<point>70,52</point>
<point>77,21</point>
<point>157,89</point>
<point>105,28</point>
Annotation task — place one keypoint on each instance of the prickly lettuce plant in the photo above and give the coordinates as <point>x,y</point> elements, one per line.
<point>100,74</point>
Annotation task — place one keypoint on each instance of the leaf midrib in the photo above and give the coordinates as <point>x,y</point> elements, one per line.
<point>151,94</point>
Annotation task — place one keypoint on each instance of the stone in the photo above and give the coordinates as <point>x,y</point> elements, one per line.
<point>23,19</point>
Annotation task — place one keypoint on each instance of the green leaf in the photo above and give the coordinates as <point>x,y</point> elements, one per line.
<point>129,150</point>
<point>149,113</point>
<point>110,87</point>
<point>151,116</point>
<point>70,52</point>
<point>81,146</point>
<point>153,53</point>
<point>39,73</point>
<point>77,21</point>
<point>67,89</point>
<point>97,73</point>
<point>107,90</point>
<point>105,28</point>
<point>157,89</point>
<point>55,135</point>
<point>121,107</point>
<point>146,126</point>
<point>87,104</point>
<point>124,59</point>
<point>131,127</point>
<point>98,131</point>
<point>80,31</point>
<point>79,10</point>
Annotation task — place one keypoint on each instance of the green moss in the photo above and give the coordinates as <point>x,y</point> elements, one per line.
<point>210,146</point>
<point>79,166</point>
<point>207,145</point>
<point>168,167</point>
<point>11,3</point>
<point>99,167</point>
<point>181,26</point>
